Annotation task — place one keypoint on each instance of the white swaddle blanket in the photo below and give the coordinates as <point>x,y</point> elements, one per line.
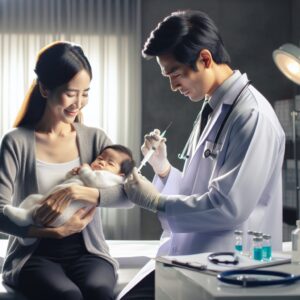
<point>22,215</point>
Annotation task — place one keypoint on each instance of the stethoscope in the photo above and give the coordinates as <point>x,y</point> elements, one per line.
<point>248,278</point>
<point>211,148</point>
<point>254,278</point>
<point>213,258</point>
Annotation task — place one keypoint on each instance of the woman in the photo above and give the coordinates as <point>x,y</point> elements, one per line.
<point>71,261</point>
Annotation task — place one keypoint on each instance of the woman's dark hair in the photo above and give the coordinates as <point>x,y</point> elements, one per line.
<point>128,164</point>
<point>56,65</point>
<point>184,34</point>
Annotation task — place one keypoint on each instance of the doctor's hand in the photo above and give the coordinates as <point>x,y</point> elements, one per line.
<point>158,160</point>
<point>141,191</point>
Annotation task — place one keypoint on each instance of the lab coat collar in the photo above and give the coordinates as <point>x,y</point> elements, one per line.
<point>224,94</point>
<point>219,93</point>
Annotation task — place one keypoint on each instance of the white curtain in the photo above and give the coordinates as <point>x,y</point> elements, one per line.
<point>109,33</point>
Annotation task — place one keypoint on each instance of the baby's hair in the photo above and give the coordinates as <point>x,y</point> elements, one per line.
<point>128,164</point>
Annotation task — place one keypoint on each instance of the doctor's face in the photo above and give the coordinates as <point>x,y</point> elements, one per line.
<point>190,83</point>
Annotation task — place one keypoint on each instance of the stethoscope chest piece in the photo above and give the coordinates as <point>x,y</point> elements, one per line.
<point>211,150</point>
<point>207,153</point>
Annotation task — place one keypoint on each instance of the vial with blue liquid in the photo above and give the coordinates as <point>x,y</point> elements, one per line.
<point>267,247</point>
<point>238,246</point>
<point>257,248</point>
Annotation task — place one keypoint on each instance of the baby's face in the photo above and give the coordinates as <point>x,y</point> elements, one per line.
<point>109,160</point>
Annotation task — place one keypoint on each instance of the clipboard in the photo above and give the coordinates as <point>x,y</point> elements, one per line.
<point>200,263</point>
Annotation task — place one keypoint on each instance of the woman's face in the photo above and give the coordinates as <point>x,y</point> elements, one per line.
<point>65,102</point>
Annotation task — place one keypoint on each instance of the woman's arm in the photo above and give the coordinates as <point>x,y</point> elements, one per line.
<point>74,225</point>
<point>54,205</point>
<point>9,168</point>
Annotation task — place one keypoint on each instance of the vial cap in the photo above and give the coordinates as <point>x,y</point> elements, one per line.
<point>258,239</point>
<point>250,232</point>
<point>238,232</point>
<point>298,223</point>
<point>267,236</point>
<point>257,233</point>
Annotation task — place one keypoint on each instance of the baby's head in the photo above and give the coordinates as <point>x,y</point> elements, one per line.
<point>116,159</point>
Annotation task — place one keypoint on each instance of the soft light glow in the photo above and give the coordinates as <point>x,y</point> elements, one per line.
<point>287,59</point>
<point>293,67</point>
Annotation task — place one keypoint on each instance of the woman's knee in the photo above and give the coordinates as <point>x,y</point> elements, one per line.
<point>99,292</point>
<point>65,294</point>
<point>69,294</point>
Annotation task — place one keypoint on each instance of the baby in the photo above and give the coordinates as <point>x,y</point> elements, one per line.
<point>110,168</point>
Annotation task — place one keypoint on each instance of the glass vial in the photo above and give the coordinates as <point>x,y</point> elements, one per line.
<point>238,245</point>
<point>296,244</point>
<point>257,248</point>
<point>267,247</point>
<point>250,234</point>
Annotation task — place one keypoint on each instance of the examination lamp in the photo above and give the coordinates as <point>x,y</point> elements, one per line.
<point>287,59</point>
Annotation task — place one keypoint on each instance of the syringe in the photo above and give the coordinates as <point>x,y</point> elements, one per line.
<point>152,150</point>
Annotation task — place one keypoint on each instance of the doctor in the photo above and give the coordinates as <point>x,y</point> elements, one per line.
<point>238,186</point>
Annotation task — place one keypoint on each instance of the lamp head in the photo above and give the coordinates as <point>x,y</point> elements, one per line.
<point>287,59</point>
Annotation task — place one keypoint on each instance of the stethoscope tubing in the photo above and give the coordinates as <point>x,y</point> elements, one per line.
<point>285,278</point>
<point>213,258</point>
<point>229,113</point>
<point>183,154</point>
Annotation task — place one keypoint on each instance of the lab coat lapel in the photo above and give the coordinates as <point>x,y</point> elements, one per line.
<point>228,99</point>
<point>201,142</point>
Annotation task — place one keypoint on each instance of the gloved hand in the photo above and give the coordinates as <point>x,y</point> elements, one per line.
<point>158,160</point>
<point>141,191</point>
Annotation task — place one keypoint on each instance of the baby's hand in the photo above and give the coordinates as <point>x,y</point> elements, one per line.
<point>75,171</point>
<point>83,166</point>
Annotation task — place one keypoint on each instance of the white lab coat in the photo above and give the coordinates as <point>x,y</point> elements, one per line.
<point>240,189</point>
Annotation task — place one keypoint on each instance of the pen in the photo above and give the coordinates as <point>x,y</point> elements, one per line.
<point>188,265</point>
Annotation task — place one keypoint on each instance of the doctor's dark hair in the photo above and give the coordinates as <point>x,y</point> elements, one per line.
<point>56,65</point>
<point>184,34</point>
<point>128,164</point>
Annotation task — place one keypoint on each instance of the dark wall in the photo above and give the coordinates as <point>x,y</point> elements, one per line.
<point>251,30</point>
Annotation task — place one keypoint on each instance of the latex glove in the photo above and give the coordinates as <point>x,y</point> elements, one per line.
<point>158,160</point>
<point>141,191</point>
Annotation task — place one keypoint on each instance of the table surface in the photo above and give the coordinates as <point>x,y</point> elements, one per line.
<point>177,283</point>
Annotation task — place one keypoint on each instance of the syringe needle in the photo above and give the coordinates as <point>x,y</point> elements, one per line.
<point>164,132</point>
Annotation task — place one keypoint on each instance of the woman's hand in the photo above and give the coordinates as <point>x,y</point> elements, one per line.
<point>52,207</point>
<point>74,225</point>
